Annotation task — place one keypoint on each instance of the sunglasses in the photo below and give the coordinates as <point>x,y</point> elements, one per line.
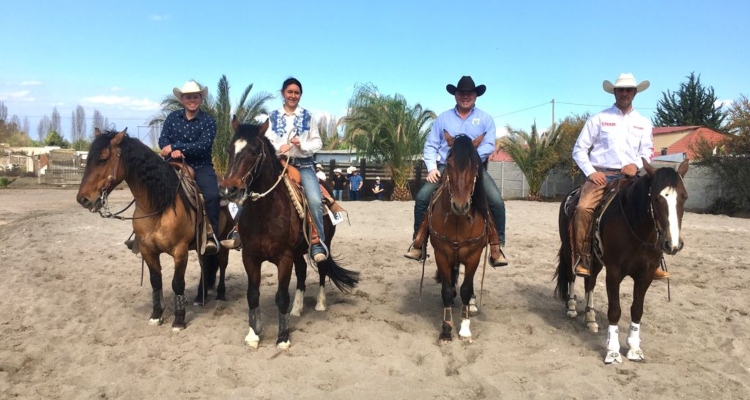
<point>626,89</point>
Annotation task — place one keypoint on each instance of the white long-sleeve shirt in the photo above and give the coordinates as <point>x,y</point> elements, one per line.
<point>283,127</point>
<point>615,140</point>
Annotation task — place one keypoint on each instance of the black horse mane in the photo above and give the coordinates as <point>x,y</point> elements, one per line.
<point>465,155</point>
<point>249,132</point>
<point>142,166</point>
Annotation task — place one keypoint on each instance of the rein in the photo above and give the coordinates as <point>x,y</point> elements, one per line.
<point>252,172</point>
<point>652,246</point>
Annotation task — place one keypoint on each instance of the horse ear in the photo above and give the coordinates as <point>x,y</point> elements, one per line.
<point>476,142</point>
<point>448,138</point>
<point>683,168</point>
<point>117,139</point>
<point>235,123</point>
<point>264,127</point>
<point>648,168</point>
<point>97,132</point>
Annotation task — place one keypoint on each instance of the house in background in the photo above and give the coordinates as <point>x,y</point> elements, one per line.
<point>675,143</point>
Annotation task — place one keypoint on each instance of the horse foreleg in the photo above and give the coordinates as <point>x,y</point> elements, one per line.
<point>221,289</point>
<point>252,269</point>
<point>572,301</point>
<point>178,287</point>
<point>157,293</point>
<point>323,268</point>
<point>320,304</point>
<point>591,312</point>
<point>282,302</point>
<point>300,269</point>
<point>636,312</point>
<point>613,315</point>
<point>446,335</point>
<point>467,293</point>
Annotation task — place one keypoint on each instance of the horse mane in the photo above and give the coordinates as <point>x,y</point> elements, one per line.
<point>637,195</point>
<point>249,132</point>
<point>144,168</point>
<point>465,155</point>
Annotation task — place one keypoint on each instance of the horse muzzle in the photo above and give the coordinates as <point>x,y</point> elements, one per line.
<point>91,205</point>
<point>460,209</point>
<point>673,248</point>
<point>230,193</point>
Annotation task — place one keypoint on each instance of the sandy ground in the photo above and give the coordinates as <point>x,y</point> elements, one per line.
<point>74,319</point>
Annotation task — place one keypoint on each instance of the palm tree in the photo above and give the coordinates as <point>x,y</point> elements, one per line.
<point>386,129</point>
<point>219,107</point>
<point>329,134</point>
<point>534,154</point>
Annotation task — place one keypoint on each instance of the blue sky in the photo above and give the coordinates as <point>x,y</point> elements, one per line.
<point>123,58</point>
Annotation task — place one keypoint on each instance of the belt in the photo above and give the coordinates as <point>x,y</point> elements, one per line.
<point>605,170</point>
<point>300,160</point>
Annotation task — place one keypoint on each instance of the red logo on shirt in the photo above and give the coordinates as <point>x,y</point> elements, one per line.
<point>638,127</point>
<point>609,124</point>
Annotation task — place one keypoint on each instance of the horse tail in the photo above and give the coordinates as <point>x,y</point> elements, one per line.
<point>344,279</point>
<point>564,272</point>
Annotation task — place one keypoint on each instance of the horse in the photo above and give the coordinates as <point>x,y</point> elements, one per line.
<point>163,220</point>
<point>458,228</point>
<point>270,229</point>
<point>640,225</point>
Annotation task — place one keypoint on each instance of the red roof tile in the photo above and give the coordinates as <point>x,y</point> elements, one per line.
<point>500,156</point>
<point>684,145</point>
<point>671,129</point>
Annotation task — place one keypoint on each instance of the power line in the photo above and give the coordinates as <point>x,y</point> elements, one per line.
<point>525,109</point>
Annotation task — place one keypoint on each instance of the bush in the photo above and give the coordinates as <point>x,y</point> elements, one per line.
<point>724,206</point>
<point>4,182</point>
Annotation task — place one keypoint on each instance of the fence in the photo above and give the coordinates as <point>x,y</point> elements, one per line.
<point>65,167</point>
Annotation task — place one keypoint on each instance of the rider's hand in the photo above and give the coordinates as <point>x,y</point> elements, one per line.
<point>629,170</point>
<point>176,154</point>
<point>598,178</point>
<point>166,150</point>
<point>433,176</point>
<point>284,148</point>
<point>295,141</point>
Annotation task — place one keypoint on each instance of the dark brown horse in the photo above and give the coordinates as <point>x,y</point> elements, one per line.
<point>271,230</point>
<point>641,224</point>
<point>163,220</point>
<point>458,228</point>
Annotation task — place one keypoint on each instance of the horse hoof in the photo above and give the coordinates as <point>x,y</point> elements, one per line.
<point>320,307</point>
<point>613,357</point>
<point>636,355</point>
<point>467,339</point>
<point>155,321</point>
<point>283,345</point>
<point>295,313</point>
<point>593,327</point>
<point>572,313</point>
<point>177,328</point>
<point>445,339</point>
<point>252,339</point>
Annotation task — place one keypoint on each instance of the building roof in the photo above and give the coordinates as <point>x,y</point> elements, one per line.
<point>499,155</point>
<point>686,144</point>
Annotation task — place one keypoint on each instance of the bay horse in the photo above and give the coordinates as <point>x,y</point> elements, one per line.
<point>163,220</point>
<point>458,226</point>
<point>270,229</point>
<point>640,225</point>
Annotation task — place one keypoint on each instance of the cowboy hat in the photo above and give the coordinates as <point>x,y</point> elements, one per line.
<point>351,169</point>
<point>318,166</point>
<point>625,81</point>
<point>190,87</point>
<point>466,83</point>
<point>337,171</point>
<point>377,178</point>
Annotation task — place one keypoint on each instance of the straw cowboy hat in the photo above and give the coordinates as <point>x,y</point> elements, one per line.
<point>318,166</point>
<point>337,171</point>
<point>377,178</point>
<point>351,169</point>
<point>190,87</point>
<point>625,81</point>
<point>466,83</point>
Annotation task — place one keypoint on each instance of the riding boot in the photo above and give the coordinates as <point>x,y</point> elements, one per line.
<point>233,239</point>
<point>497,257</point>
<point>211,241</point>
<point>420,241</point>
<point>318,251</point>
<point>661,274</point>
<point>583,262</point>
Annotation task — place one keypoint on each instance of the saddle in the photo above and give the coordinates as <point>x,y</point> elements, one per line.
<point>571,203</point>
<point>203,228</point>
<point>293,182</point>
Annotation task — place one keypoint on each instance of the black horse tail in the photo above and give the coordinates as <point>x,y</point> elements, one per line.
<point>564,273</point>
<point>344,279</point>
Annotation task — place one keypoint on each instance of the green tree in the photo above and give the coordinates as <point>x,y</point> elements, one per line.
<point>329,134</point>
<point>692,105</point>
<point>567,132</point>
<point>81,145</point>
<point>55,139</point>
<point>534,154</point>
<point>247,109</point>
<point>387,129</point>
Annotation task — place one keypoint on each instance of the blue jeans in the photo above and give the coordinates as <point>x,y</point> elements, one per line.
<point>494,200</point>
<point>205,178</point>
<point>353,195</point>
<point>337,194</point>
<point>310,183</point>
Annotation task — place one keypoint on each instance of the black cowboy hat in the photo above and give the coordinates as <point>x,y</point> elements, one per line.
<point>466,83</point>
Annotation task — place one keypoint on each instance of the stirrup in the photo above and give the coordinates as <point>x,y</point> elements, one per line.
<point>501,261</point>
<point>581,269</point>
<point>415,253</point>
<point>211,247</point>
<point>232,242</point>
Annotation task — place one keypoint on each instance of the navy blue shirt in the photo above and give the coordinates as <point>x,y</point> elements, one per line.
<point>195,138</point>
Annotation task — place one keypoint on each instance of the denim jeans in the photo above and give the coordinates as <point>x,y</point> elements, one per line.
<point>310,183</point>
<point>494,200</point>
<point>354,195</point>
<point>205,178</point>
<point>337,194</point>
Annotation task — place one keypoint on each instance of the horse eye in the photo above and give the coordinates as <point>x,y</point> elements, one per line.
<point>102,161</point>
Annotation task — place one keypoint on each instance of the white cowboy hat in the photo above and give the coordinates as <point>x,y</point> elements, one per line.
<point>190,87</point>
<point>625,81</point>
<point>351,169</point>
<point>318,166</point>
<point>337,170</point>
<point>377,178</point>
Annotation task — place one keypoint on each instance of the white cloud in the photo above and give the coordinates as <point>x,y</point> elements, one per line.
<point>158,18</point>
<point>21,95</point>
<point>122,102</point>
<point>115,88</point>
<point>31,83</point>
<point>724,103</point>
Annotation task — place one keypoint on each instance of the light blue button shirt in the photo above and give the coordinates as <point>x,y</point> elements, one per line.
<point>477,123</point>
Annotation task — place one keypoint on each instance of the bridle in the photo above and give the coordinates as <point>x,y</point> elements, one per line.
<point>657,224</point>
<point>455,245</point>
<point>254,171</point>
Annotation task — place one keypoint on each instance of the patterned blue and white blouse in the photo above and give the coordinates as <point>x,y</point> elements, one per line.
<point>283,127</point>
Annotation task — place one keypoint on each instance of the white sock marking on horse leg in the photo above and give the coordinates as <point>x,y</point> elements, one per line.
<point>252,339</point>
<point>670,195</point>
<point>464,332</point>
<point>321,304</point>
<point>299,303</point>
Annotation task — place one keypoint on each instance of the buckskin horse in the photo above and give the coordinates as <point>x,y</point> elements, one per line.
<point>163,220</point>
<point>458,226</point>
<point>641,224</point>
<point>271,230</point>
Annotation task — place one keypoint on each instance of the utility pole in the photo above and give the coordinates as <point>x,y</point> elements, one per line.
<point>553,112</point>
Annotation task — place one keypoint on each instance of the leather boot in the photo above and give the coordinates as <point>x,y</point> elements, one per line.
<point>497,256</point>
<point>584,260</point>
<point>318,252</point>
<point>420,239</point>
<point>233,240</point>
<point>661,274</point>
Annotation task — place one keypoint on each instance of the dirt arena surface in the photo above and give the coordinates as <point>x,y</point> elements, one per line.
<point>74,320</point>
